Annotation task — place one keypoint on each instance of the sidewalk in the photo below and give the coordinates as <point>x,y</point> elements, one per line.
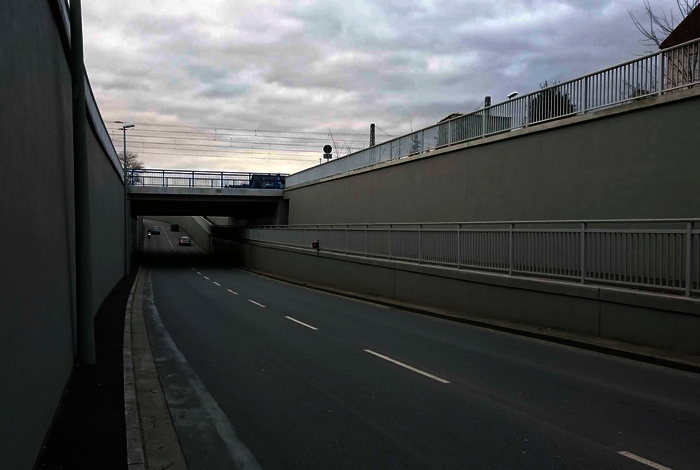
<point>89,430</point>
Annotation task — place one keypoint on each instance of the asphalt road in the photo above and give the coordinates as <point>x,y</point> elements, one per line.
<point>263,374</point>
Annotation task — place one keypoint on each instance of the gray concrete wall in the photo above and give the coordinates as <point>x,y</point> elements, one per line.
<point>37,292</point>
<point>660,321</point>
<point>36,180</point>
<point>634,161</point>
<point>107,221</point>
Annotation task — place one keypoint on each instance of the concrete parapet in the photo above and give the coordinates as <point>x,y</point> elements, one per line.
<point>659,321</point>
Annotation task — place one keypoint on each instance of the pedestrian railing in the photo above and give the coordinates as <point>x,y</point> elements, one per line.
<point>204,179</point>
<point>658,255</point>
<point>655,74</point>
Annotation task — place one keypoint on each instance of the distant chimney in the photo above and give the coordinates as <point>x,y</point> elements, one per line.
<point>371,135</point>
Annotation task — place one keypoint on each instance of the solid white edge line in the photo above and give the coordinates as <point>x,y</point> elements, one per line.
<point>199,273</point>
<point>300,322</point>
<point>434,377</point>
<point>217,283</point>
<point>646,462</point>
<point>205,277</point>
<point>261,305</point>
<point>235,293</point>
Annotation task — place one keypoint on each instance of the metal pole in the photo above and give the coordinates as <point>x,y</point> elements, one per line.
<point>389,241</point>
<point>688,256</point>
<point>459,243</point>
<point>420,241</point>
<point>83,237</point>
<point>222,180</point>
<point>510,250</point>
<point>661,83</point>
<point>126,214</point>
<point>583,253</point>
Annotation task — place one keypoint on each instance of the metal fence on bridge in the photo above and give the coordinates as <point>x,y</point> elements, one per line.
<point>655,74</point>
<point>204,179</point>
<point>657,255</point>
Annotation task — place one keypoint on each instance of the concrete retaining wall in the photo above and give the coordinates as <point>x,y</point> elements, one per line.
<point>655,320</point>
<point>37,292</point>
<point>633,161</point>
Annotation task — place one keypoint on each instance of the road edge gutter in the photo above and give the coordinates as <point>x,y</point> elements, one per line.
<point>152,440</point>
<point>134,442</point>
<point>652,356</point>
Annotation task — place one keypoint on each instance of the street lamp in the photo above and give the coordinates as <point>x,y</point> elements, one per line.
<point>124,127</point>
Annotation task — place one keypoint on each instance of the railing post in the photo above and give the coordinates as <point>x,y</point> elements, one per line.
<point>222,180</point>
<point>585,94</point>
<point>661,82</point>
<point>420,241</point>
<point>583,253</point>
<point>389,241</point>
<point>527,111</point>
<point>483,123</point>
<point>459,243</point>
<point>163,178</point>
<point>688,256</point>
<point>510,250</point>
<point>365,240</point>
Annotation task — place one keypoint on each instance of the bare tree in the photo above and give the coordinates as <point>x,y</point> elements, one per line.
<point>655,27</point>
<point>132,163</point>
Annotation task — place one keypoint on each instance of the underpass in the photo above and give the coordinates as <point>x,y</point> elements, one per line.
<point>300,378</point>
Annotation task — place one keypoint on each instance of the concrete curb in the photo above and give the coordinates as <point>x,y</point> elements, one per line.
<point>653,356</point>
<point>134,442</point>
<point>152,441</point>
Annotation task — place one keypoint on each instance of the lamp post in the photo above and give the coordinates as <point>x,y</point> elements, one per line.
<point>126,214</point>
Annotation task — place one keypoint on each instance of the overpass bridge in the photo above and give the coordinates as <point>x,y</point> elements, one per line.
<point>190,192</point>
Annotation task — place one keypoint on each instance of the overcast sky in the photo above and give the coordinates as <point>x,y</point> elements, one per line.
<point>311,66</point>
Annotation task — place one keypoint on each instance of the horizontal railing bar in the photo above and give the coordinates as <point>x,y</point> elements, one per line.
<point>522,222</point>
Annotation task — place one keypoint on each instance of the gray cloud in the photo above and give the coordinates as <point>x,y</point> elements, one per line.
<point>314,65</point>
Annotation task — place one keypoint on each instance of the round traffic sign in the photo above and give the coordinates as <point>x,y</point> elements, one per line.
<point>327,149</point>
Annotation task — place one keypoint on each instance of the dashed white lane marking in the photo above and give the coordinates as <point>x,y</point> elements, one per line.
<point>235,293</point>
<point>199,273</point>
<point>646,462</point>
<point>434,377</point>
<point>217,283</point>
<point>301,323</point>
<point>205,277</point>
<point>253,301</point>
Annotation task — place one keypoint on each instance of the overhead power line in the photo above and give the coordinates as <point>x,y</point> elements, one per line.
<point>134,139</point>
<point>247,130</point>
<point>115,130</point>
<point>169,154</point>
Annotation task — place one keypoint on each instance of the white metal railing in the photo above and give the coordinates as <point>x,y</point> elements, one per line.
<point>655,254</point>
<point>662,72</point>
<point>204,179</point>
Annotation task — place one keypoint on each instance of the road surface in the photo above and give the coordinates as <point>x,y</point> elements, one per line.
<point>263,374</point>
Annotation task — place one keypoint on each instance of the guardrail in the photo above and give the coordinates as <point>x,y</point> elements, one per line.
<point>204,179</point>
<point>655,254</point>
<point>655,74</point>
